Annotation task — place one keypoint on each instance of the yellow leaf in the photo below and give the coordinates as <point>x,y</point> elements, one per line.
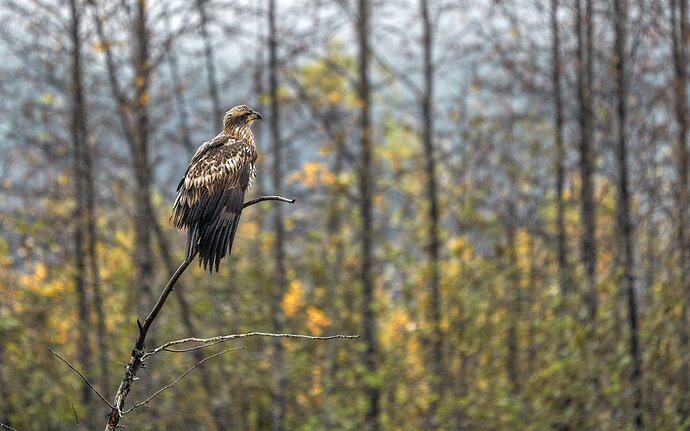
<point>100,46</point>
<point>316,320</point>
<point>47,98</point>
<point>334,96</point>
<point>292,300</point>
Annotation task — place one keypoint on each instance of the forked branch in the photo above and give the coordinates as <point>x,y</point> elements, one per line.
<point>139,354</point>
<point>135,360</point>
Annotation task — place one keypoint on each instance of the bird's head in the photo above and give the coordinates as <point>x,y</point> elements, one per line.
<point>239,119</point>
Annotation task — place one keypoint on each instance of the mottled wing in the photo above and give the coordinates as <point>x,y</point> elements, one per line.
<point>210,199</point>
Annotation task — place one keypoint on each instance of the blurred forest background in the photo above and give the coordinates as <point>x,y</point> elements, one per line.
<point>493,193</point>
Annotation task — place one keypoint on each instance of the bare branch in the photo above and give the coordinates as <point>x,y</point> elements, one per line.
<point>268,198</point>
<point>82,376</point>
<point>191,349</point>
<point>168,386</point>
<point>136,360</point>
<point>223,338</point>
<point>76,417</point>
<point>7,427</point>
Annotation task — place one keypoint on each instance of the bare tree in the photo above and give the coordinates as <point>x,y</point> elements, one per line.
<point>279,278</point>
<point>427,105</point>
<point>134,121</point>
<point>78,132</point>
<point>562,240</point>
<point>365,181</point>
<point>584,30</point>
<point>180,104</point>
<point>625,225</point>
<point>210,59</point>
<point>680,36</point>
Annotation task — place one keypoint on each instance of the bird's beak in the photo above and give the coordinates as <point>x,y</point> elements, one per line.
<point>256,116</point>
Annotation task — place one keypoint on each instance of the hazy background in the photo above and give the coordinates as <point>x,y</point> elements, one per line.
<point>493,193</point>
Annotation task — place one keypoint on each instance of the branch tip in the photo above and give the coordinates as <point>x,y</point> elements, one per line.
<point>83,377</point>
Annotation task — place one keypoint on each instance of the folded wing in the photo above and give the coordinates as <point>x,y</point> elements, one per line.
<point>210,199</point>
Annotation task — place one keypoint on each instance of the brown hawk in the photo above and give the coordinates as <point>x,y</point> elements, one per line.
<point>210,195</point>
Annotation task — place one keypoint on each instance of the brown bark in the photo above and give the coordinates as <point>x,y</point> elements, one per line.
<point>134,119</point>
<point>427,102</point>
<point>564,281</point>
<point>180,104</point>
<point>365,182</point>
<point>625,227</point>
<point>679,32</point>
<point>143,255</point>
<point>279,278</point>
<point>585,54</point>
<point>210,61</point>
<point>77,128</point>
<point>514,300</point>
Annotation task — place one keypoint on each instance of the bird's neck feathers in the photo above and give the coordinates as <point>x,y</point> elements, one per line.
<point>240,132</point>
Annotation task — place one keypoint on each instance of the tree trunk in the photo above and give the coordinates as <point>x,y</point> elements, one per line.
<point>679,26</point>
<point>279,279</point>
<point>584,91</point>
<point>564,281</point>
<point>77,129</point>
<point>143,256</point>
<point>365,180</point>
<point>436,345</point>
<point>625,228</point>
<point>180,104</point>
<point>210,63</point>
<point>514,301</point>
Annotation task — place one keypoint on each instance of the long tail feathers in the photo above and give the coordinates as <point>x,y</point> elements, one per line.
<point>192,239</point>
<point>214,243</point>
<point>211,225</point>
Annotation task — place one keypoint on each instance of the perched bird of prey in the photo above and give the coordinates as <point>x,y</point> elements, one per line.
<point>210,196</point>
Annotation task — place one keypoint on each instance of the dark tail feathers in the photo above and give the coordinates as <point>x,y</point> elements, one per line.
<point>213,243</point>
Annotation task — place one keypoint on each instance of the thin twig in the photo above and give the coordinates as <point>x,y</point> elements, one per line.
<point>223,338</point>
<point>83,378</point>
<point>7,427</point>
<point>76,417</point>
<point>191,349</point>
<point>168,386</point>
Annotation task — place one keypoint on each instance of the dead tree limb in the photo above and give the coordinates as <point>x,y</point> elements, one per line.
<point>139,353</point>
<point>135,360</point>
<point>222,338</point>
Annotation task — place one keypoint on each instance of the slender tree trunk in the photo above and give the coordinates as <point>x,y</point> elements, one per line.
<point>514,300</point>
<point>180,104</point>
<point>564,282</point>
<point>89,193</point>
<point>5,408</point>
<point>679,27</point>
<point>625,227</point>
<point>210,62</point>
<point>584,29</point>
<point>365,180</point>
<point>436,345</point>
<point>77,128</point>
<point>279,280</point>
<point>336,256</point>
<point>143,256</point>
